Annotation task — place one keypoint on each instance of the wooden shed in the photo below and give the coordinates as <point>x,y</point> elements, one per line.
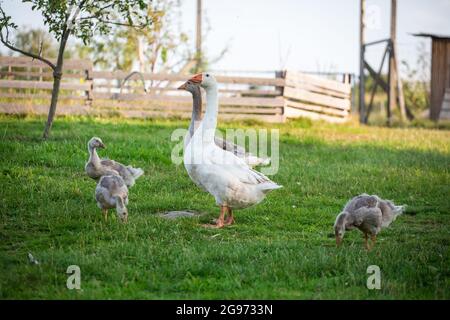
<point>440,76</point>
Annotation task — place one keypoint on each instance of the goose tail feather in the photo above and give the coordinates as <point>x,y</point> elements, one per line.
<point>136,172</point>
<point>269,186</point>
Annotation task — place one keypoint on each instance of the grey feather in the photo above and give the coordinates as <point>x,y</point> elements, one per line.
<point>112,192</point>
<point>368,213</point>
<point>96,167</point>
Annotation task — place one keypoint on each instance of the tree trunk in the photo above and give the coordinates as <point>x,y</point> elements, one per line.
<point>57,75</point>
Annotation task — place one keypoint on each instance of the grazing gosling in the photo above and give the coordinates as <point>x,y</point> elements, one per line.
<point>96,167</point>
<point>367,213</point>
<point>112,192</point>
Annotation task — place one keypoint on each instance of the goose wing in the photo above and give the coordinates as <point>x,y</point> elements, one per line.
<point>237,167</point>
<point>363,200</point>
<point>367,215</point>
<point>239,151</point>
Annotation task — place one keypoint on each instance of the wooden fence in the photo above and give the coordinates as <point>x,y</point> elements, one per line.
<point>26,84</point>
<point>316,98</point>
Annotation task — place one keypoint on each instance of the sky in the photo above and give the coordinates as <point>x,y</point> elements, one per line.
<point>321,35</point>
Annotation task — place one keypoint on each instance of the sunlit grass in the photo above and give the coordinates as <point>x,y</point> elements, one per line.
<point>282,248</point>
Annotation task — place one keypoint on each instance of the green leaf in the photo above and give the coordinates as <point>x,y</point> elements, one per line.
<point>164,54</point>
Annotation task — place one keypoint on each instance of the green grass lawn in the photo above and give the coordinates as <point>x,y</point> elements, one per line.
<point>281,248</point>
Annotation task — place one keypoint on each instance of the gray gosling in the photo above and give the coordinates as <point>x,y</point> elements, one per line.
<point>369,214</point>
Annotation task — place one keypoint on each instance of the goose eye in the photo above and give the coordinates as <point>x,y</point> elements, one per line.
<point>207,75</point>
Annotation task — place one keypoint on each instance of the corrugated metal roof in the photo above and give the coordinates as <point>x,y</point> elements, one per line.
<point>432,35</point>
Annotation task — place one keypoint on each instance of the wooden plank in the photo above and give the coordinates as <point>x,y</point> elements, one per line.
<point>119,75</point>
<point>41,74</point>
<point>45,67</point>
<point>138,87</point>
<point>296,113</point>
<point>29,62</point>
<point>32,96</point>
<point>277,82</point>
<point>23,84</point>
<point>272,93</point>
<point>315,98</point>
<point>250,101</point>
<point>298,77</point>
<point>185,115</point>
<point>376,77</point>
<point>320,109</point>
<point>186,108</point>
<point>14,108</point>
<point>438,76</point>
<point>263,118</point>
<point>362,80</point>
<point>392,74</point>
<point>316,89</point>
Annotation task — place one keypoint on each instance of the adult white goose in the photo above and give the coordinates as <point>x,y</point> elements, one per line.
<point>196,117</point>
<point>232,183</point>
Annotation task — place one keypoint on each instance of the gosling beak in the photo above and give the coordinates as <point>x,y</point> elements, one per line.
<point>102,145</point>
<point>198,78</point>
<point>183,86</point>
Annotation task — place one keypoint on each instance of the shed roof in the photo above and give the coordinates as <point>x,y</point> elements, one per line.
<point>432,35</point>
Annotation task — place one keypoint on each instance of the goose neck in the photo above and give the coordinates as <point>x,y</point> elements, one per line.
<point>196,111</point>
<point>212,108</point>
<point>93,157</point>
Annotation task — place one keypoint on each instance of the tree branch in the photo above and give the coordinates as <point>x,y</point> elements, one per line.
<point>5,41</point>
<point>96,14</point>
<point>70,24</point>
<point>123,24</point>
<point>26,53</point>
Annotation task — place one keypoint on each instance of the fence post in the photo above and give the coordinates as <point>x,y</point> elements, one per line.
<point>10,76</point>
<point>280,74</point>
<point>346,78</point>
<point>88,79</point>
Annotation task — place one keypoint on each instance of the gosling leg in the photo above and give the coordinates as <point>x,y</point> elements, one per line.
<point>105,214</point>
<point>366,245</point>
<point>374,240</point>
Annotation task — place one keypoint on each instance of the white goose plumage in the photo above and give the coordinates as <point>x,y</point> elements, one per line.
<point>228,178</point>
<point>196,118</point>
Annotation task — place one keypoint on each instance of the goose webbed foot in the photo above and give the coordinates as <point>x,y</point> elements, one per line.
<point>220,221</point>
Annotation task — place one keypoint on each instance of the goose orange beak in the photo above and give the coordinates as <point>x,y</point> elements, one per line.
<point>198,78</point>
